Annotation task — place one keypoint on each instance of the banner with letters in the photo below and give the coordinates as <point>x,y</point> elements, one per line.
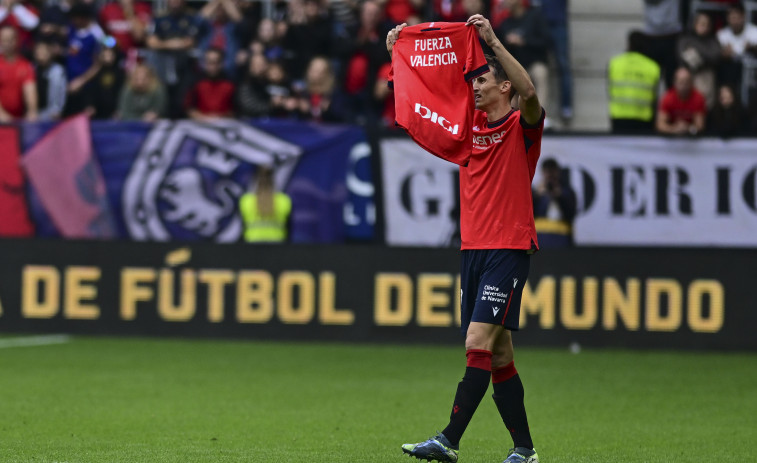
<point>420,195</point>
<point>689,298</point>
<point>632,191</point>
<point>181,180</point>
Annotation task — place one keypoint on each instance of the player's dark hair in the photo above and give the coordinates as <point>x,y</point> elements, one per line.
<point>498,71</point>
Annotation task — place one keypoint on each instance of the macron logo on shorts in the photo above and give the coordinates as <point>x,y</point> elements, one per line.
<point>495,310</point>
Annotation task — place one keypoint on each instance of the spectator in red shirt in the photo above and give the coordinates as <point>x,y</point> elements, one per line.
<point>682,110</point>
<point>126,21</point>
<point>18,87</point>
<point>212,96</point>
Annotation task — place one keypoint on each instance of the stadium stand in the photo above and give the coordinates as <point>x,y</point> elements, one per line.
<point>345,34</point>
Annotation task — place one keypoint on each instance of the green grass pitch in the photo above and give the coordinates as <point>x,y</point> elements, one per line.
<point>152,400</point>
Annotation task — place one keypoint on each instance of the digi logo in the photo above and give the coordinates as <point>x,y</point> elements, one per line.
<point>426,113</point>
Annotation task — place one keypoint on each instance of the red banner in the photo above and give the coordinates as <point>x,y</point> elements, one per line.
<point>14,214</point>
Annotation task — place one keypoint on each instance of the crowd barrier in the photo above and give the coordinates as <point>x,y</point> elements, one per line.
<point>679,298</point>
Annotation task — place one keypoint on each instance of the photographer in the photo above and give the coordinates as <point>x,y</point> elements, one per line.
<point>554,207</point>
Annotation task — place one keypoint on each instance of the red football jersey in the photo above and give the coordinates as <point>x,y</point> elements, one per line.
<point>432,65</point>
<point>496,209</point>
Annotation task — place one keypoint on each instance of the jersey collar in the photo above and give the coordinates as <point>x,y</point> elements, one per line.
<point>500,121</point>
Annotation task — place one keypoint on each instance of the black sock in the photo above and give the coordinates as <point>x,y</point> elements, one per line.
<point>508,396</point>
<point>470,391</point>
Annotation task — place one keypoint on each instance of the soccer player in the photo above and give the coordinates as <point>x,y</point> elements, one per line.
<point>498,236</point>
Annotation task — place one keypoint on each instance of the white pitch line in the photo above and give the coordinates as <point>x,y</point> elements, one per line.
<point>31,341</point>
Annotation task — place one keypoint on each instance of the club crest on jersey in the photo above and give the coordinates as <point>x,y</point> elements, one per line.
<point>426,113</point>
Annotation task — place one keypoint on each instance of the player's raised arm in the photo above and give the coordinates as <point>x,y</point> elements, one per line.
<point>392,36</point>
<point>530,107</point>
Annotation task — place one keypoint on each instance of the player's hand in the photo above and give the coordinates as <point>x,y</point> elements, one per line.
<point>484,28</point>
<point>392,36</point>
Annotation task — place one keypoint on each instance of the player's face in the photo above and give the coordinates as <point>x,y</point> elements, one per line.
<point>486,90</point>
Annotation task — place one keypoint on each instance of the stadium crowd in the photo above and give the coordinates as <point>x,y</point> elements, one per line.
<point>326,60</point>
<point>702,69</point>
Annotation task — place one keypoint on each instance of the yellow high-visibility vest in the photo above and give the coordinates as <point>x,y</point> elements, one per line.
<point>633,79</point>
<point>265,229</point>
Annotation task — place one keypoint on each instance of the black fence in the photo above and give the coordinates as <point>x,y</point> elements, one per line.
<point>635,297</point>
